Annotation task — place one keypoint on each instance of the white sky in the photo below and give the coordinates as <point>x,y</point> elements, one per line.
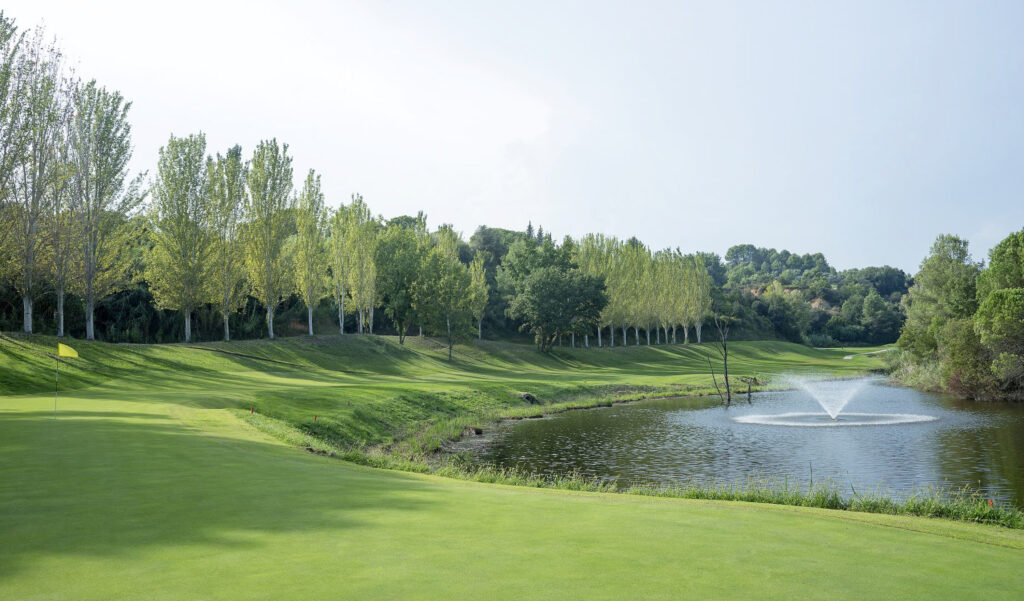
<point>859,130</point>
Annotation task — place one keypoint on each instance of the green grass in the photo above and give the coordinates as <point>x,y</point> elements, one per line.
<point>151,484</point>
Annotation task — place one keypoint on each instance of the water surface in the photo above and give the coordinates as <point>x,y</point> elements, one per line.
<point>685,439</point>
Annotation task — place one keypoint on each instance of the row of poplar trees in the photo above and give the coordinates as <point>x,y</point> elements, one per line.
<point>66,201</point>
<point>223,228</point>
<point>651,291</point>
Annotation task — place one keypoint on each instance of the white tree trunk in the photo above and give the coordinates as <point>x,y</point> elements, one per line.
<point>636,333</point>
<point>479,329</point>
<point>270,321</point>
<point>309,313</point>
<point>90,310</point>
<point>599,337</point>
<point>586,341</point>
<point>227,328</point>
<point>625,338</point>
<point>673,334</point>
<point>697,327</point>
<point>448,322</point>
<point>341,315</point>
<point>572,340</point>
<point>360,321</point>
<point>371,320</point>
<point>60,312</point>
<point>26,304</point>
<point>647,331</point>
<point>188,326</point>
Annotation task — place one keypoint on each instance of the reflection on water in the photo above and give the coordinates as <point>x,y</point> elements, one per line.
<point>680,440</point>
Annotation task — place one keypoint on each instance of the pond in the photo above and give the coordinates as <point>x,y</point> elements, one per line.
<point>697,439</point>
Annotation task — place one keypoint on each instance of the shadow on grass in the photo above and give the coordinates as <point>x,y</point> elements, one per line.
<point>92,484</point>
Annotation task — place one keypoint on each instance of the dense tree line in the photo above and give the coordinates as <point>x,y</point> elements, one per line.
<point>224,245</point>
<point>965,321</point>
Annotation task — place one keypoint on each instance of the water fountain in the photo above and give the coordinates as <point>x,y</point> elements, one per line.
<point>832,396</point>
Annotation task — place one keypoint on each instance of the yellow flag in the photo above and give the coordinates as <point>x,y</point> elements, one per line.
<point>64,350</point>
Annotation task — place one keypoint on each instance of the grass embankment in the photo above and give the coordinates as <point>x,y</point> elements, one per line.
<point>145,487</point>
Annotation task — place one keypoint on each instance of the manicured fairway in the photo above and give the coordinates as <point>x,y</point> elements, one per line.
<point>139,491</point>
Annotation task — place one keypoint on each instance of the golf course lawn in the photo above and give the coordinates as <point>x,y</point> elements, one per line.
<point>150,485</point>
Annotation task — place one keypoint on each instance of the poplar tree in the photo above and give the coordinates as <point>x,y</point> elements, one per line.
<point>309,252</point>
<point>701,303</point>
<point>101,197</point>
<point>63,226</point>
<point>228,199</point>
<point>478,293</point>
<point>338,261</point>
<point>178,264</point>
<point>44,111</point>
<point>268,208</point>
<point>11,133</point>
<point>361,244</point>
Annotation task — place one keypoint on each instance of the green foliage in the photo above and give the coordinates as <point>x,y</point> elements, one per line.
<point>270,224</point>
<point>398,260</point>
<point>177,266</point>
<point>227,175</point>
<point>439,295</point>
<point>308,251</point>
<point>554,302</point>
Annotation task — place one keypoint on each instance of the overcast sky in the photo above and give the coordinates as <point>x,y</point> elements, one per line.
<point>860,130</point>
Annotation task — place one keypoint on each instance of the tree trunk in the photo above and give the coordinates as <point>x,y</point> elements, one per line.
<point>90,309</point>
<point>188,326</point>
<point>572,340</point>
<point>636,334</point>
<point>647,331</point>
<point>341,315</point>
<point>686,334</point>
<point>625,338</point>
<point>480,329</point>
<point>697,327</point>
<point>448,323</point>
<point>371,320</point>
<point>599,337</point>
<point>421,331</point>
<point>586,341</point>
<point>673,334</point>
<point>270,321</point>
<point>309,313</point>
<point>227,328</point>
<point>26,304</point>
<point>611,332</point>
<point>360,321</point>
<point>60,312</point>
<point>725,370</point>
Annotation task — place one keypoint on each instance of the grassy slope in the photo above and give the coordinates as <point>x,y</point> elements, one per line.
<point>367,390</point>
<point>144,488</point>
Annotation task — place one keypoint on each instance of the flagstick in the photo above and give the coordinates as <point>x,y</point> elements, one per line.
<point>56,379</point>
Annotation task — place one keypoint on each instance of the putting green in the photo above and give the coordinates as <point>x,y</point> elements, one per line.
<point>145,487</point>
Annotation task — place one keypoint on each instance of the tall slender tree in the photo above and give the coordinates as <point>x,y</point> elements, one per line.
<point>361,245</point>
<point>338,261</point>
<point>178,265</point>
<point>309,248</point>
<point>63,226</point>
<point>11,131</point>
<point>478,293</point>
<point>103,198</point>
<point>44,112</point>
<point>228,196</point>
<point>268,208</point>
